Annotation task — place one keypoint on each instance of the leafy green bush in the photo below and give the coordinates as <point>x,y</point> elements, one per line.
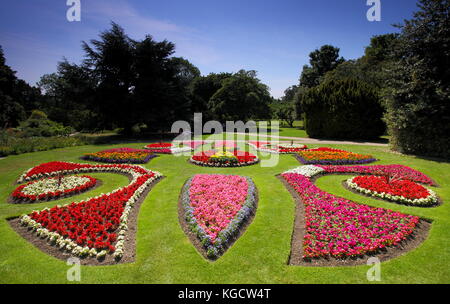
<point>343,109</point>
<point>39,125</point>
<point>10,145</point>
<point>418,111</point>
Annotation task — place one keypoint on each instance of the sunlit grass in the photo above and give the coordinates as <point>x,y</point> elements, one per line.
<point>165,255</point>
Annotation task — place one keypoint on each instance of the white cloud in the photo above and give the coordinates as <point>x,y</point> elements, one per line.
<point>189,43</point>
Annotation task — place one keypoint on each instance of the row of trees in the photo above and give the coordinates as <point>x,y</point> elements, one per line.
<point>400,85</point>
<point>16,96</point>
<point>129,84</point>
<point>402,79</point>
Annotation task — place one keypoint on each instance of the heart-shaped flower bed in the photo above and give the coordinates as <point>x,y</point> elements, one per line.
<point>93,227</point>
<point>329,156</point>
<point>52,188</point>
<point>393,189</point>
<point>215,208</point>
<point>224,158</point>
<point>340,228</point>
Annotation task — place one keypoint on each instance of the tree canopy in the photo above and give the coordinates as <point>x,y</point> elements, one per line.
<point>418,111</point>
<point>241,97</point>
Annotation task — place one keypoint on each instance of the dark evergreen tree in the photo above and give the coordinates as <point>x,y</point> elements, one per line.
<point>343,109</point>
<point>418,109</point>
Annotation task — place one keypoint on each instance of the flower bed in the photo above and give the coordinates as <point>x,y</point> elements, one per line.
<point>328,156</point>
<point>224,158</point>
<point>397,190</point>
<point>216,207</point>
<point>277,148</point>
<point>52,188</point>
<point>398,171</point>
<point>96,226</point>
<point>121,156</point>
<point>169,148</point>
<point>339,228</point>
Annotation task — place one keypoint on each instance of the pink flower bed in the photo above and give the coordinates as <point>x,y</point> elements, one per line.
<point>216,199</point>
<point>340,228</point>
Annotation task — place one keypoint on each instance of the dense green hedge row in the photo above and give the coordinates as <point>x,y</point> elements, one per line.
<point>343,109</point>
<point>13,145</point>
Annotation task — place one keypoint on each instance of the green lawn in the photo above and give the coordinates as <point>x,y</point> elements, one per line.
<point>165,255</point>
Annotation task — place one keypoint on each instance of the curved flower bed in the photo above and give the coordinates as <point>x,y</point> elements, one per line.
<point>339,228</point>
<point>329,156</point>
<point>216,207</point>
<point>398,171</point>
<point>280,148</point>
<point>168,148</point>
<point>397,190</point>
<point>96,226</point>
<point>53,188</point>
<point>121,156</point>
<point>214,158</point>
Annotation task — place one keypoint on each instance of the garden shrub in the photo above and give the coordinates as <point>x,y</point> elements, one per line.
<point>39,125</point>
<point>418,111</point>
<point>343,109</point>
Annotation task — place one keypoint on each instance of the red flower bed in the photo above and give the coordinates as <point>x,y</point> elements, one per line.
<point>341,228</point>
<point>401,187</point>
<point>21,195</point>
<point>233,158</point>
<point>401,171</point>
<point>94,224</point>
<point>90,223</point>
<point>160,146</point>
<point>170,148</point>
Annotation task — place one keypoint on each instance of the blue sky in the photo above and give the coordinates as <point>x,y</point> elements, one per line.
<point>271,37</point>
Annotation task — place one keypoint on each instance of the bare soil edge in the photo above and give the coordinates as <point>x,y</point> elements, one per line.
<point>129,254</point>
<point>413,241</point>
<point>12,200</point>
<point>346,187</point>
<point>196,242</point>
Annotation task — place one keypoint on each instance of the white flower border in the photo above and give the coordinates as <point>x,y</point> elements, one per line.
<point>70,245</point>
<point>67,183</point>
<point>426,201</point>
<point>308,171</point>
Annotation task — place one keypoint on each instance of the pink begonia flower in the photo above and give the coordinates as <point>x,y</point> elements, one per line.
<point>216,200</point>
